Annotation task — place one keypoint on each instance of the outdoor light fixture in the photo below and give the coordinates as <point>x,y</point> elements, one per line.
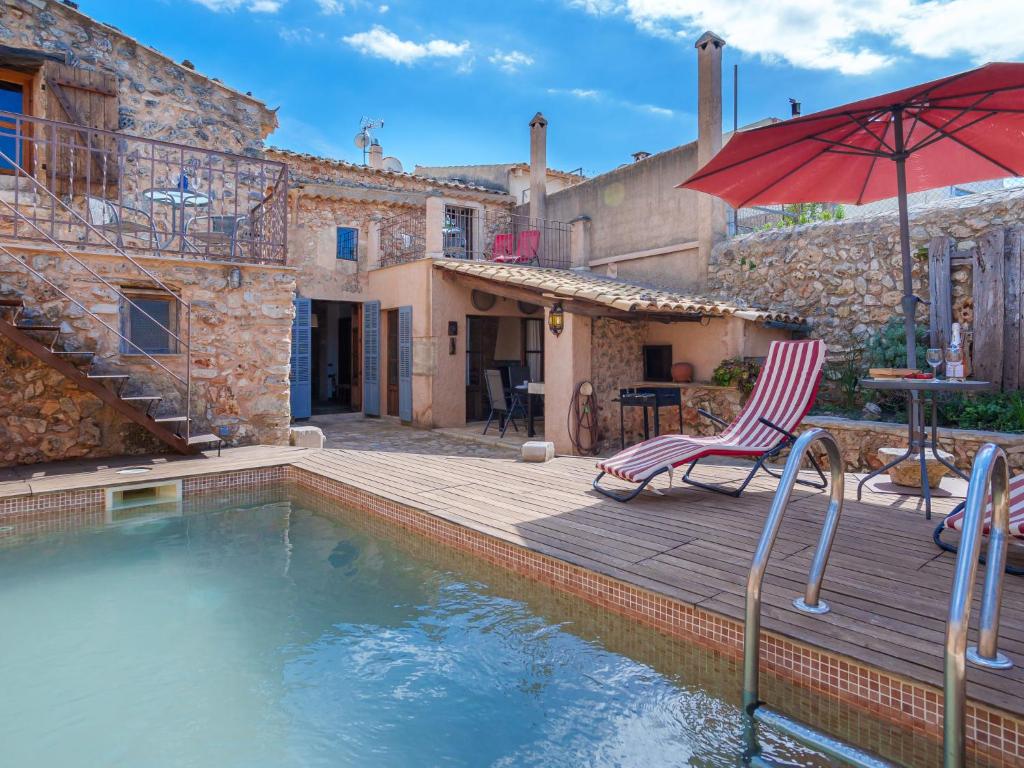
<point>556,319</point>
<point>235,277</point>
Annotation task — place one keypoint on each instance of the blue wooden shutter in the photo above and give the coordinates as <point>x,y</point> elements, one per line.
<point>405,363</point>
<point>371,358</point>
<point>300,375</point>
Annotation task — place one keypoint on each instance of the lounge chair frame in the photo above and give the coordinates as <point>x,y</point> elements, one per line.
<point>954,548</point>
<point>787,439</point>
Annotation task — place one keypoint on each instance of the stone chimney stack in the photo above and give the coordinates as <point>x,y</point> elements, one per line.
<point>711,226</point>
<point>538,166</point>
<point>376,155</point>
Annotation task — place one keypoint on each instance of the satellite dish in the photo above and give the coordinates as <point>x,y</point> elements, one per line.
<point>392,164</point>
<point>362,140</point>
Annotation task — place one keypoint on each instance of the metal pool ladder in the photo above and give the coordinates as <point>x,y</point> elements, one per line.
<point>810,603</point>
<point>989,473</point>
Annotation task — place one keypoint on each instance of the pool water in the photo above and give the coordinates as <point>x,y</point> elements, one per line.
<point>269,634</point>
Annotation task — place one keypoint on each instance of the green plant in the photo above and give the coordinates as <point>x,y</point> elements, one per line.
<point>737,372</point>
<point>887,347</point>
<point>843,374</point>
<point>999,411</point>
<point>806,213</point>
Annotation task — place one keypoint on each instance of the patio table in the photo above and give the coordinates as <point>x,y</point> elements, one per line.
<point>180,201</point>
<point>530,389</point>
<point>919,439</point>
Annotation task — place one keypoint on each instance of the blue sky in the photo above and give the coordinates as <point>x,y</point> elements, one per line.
<point>456,81</point>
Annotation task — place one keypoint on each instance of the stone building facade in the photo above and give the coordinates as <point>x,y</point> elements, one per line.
<point>241,308</point>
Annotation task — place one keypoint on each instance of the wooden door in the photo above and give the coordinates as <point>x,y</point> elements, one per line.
<point>371,358</point>
<point>300,373</point>
<point>405,364</point>
<point>357,358</point>
<point>86,160</point>
<point>15,99</point>
<point>481,338</point>
<point>392,368</point>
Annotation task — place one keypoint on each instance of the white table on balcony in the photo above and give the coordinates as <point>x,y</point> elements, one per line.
<point>180,201</point>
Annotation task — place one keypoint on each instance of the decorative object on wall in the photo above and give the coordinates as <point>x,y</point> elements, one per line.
<point>453,327</point>
<point>682,373</point>
<point>483,300</point>
<point>451,345</point>
<point>527,308</point>
<point>235,277</point>
<point>556,319</point>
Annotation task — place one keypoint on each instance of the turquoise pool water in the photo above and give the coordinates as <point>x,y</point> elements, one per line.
<point>267,634</point>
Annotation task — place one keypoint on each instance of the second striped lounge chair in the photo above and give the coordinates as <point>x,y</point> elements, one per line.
<point>782,396</point>
<point>955,521</point>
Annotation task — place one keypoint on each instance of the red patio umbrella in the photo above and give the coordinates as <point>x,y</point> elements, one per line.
<point>962,128</point>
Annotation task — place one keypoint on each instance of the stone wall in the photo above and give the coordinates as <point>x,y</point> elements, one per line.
<point>860,441</point>
<point>241,342</point>
<point>845,276</point>
<point>157,97</point>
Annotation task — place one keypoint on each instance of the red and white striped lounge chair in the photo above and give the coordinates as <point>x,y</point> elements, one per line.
<point>955,521</point>
<point>784,393</point>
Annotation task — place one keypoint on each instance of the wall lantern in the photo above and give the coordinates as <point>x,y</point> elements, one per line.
<point>235,277</point>
<point>556,319</point>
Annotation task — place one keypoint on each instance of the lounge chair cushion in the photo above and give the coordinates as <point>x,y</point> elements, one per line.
<point>784,392</point>
<point>955,521</point>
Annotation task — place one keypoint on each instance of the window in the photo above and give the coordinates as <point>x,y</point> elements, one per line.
<point>458,232</point>
<point>348,243</point>
<point>533,347</point>
<point>151,323</point>
<point>658,362</point>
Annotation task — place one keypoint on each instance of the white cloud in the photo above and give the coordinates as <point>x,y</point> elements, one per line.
<point>331,6</point>
<point>590,94</point>
<point>384,9</point>
<point>299,35</point>
<point>851,37</point>
<point>382,43</point>
<point>256,6</point>
<point>511,61</point>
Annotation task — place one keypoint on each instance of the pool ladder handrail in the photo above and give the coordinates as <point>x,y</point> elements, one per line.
<point>989,472</point>
<point>811,603</point>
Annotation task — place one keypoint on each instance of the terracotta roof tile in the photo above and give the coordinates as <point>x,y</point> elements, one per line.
<point>613,293</point>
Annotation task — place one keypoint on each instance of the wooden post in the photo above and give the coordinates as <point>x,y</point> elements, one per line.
<point>1013,360</point>
<point>988,307</point>
<point>940,311</point>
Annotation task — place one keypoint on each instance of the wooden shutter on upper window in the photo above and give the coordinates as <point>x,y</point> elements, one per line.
<point>86,160</point>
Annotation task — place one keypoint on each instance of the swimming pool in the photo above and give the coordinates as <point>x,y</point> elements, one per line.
<point>283,631</point>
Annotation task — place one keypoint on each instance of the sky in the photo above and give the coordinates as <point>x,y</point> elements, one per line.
<point>457,81</point>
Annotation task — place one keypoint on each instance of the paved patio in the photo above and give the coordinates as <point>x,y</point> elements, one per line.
<point>887,583</point>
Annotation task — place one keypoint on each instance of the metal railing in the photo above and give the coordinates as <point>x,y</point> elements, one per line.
<point>403,237</point>
<point>989,481</point>
<point>811,602</point>
<point>145,193</point>
<point>183,309</point>
<point>477,235</point>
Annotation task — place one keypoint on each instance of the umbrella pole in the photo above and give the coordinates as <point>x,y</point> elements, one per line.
<point>909,299</point>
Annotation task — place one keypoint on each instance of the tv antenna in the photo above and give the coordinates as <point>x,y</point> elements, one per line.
<point>364,138</point>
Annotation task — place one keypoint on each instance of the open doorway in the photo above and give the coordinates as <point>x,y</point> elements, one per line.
<point>336,345</point>
<point>513,345</point>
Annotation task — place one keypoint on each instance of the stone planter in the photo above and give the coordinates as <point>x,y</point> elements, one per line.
<point>908,473</point>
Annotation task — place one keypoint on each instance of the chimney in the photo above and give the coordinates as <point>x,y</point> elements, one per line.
<point>538,166</point>
<point>711,222</point>
<point>794,108</point>
<point>376,155</point>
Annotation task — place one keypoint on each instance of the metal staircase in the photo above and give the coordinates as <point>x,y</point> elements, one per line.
<point>45,337</point>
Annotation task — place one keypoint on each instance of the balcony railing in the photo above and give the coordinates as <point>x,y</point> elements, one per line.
<point>475,235</point>
<point>88,185</point>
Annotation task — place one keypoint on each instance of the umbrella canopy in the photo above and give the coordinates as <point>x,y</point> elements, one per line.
<point>962,128</point>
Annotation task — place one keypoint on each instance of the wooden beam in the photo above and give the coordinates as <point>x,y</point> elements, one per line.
<point>988,307</point>
<point>940,310</point>
<point>1013,363</point>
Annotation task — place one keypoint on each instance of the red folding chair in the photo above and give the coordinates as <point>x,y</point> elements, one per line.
<point>504,249</point>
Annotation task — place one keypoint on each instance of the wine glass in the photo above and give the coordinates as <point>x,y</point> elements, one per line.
<point>934,357</point>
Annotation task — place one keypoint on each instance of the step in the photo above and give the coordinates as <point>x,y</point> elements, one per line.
<point>171,419</point>
<point>109,376</point>
<point>75,354</point>
<point>15,302</point>
<point>203,439</point>
<point>142,398</point>
<point>30,327</point>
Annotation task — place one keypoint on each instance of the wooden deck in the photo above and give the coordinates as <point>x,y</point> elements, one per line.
<point>887,583</point>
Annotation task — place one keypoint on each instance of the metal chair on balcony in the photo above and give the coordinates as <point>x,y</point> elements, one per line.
<point>526,252</point>
<point>120,220</point>
<point>504,248</point>
<point>217,230</point>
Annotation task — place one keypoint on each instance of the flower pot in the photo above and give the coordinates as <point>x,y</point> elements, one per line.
<point>682,373</point>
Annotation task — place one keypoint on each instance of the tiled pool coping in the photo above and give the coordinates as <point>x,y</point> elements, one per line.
<point>996,735</point>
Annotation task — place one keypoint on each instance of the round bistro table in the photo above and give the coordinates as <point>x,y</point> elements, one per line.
<point>919,438</point>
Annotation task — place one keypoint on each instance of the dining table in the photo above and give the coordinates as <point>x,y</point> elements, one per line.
<point>180,200</point>
<point>919,438</point>
<point>530,390</point>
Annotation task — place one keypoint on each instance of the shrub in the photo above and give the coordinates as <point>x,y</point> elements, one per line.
<point>887,347</point>
<point>999,411</point>
<point>737,372</point>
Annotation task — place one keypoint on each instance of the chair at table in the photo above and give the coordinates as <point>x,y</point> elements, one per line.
<point>502,405</point>
<point>120,220</point>
<point>217,230</point>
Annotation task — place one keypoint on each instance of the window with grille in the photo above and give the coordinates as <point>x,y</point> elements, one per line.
<point>149,324</point>
<point>348,243</point>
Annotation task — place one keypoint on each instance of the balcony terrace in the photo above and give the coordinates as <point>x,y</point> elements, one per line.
<point>81,186</point>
